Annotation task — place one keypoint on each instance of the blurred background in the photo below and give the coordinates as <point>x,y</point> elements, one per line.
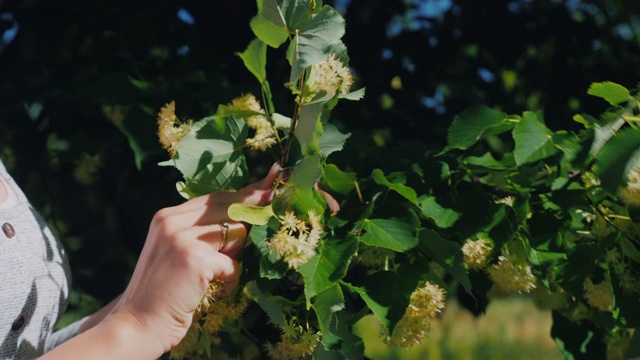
<point>81,83</point>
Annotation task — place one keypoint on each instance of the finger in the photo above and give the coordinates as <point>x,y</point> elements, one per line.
<point>267,182</point>
<point>226,270</point>
<point>222,197</point>
<point>330,200</point>
<point>213,208</point>
<point>228,237</point>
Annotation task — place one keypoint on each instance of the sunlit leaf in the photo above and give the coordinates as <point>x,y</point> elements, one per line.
<point>389,233</point>
<point>471,125</point>
<point>408,193</point>
<point>613,93</point>
<point>255,59</point>
<point>616,158</point>
<point>269,25</point>
<point>443,217</point>
<point>255,215</point>
<point>309,129</point>
<point>310,44</point>
<point>326,305</point>
<point>332,140</point>
<point>338,180</point>
<point>533,140</point>
<point>328,266</point>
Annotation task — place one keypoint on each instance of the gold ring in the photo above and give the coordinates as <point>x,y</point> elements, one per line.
<point>225,236</point>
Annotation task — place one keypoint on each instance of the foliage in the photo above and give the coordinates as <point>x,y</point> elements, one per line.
<point>553,215</point>
<point>98,77</point>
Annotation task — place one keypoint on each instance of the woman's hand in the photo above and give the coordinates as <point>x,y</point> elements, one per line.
<point>183,253</point>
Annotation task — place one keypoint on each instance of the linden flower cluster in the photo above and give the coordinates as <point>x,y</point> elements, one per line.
<point>212,313</point>
<point>511,276</point>
<point>476,253</point>
<point>631,193</point>
<point>426,301</point>
<point>264,136</point>
<point>297,342</point>
<point>171,131</point>
<point>600,295</point>
<point>296,241</point>
<point>331,76</point>
<point>628,279</point>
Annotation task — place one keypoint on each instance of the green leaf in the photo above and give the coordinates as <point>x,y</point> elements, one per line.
<point>351,347</point>
<point>140,133</point>
<point>267,303</point>
<point>217,139</point>
<point>408,193</point>
<point>331,140</point>
<point>255,215</point>
<point>271,11</point>
<point>212,159</point>
<point>443,217</point>
<point>534,141</point>
<point>447,254</point>
<point>629,250</point>
<point>255,59</point>
<point>486,161</point>
<point>338,180</point>
<point>353,95</point>
<point>326,305</point>
<point>309,128</point>
<point>217,176</point>
<point>270,266</point>
<point>306,172</point>
<point>539,257</point>
<point>388,233</point>
<point>268,25</point>
<point>299,198</point>
<point>616,158</point>
<point>294,13</point>
<point>577,340</point>
<point>328,266</point>
<point>387,293</point>
<point>472,125</point>
<point>613,93</point>
<point>603,133</point>
<point>310,44</point>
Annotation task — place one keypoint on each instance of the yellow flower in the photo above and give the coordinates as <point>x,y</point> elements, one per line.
<point>297,342</point>
<point>264,136</point>
<point>331,76</point>
<point>296,241</point>
<point>476,252</point>
<point>188,345</point>
<point>426,301</point>
<point>171,131</point>
<point>600,295</point>
<point>512,276</point>
<point>630,194</point>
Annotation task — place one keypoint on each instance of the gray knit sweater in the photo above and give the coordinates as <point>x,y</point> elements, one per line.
<point>34,279</point>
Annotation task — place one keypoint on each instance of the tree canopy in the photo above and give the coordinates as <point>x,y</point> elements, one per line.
<point>81,83</point>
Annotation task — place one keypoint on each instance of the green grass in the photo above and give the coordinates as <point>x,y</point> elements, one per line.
<point>510,329</point>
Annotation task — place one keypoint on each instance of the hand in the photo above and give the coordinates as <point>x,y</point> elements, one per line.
<point>181,256</point>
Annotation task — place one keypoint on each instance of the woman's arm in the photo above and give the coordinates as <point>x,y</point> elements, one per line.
<point>99,315</point>
<point>187,247</point>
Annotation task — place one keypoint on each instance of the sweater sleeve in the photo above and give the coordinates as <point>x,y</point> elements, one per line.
<point>64,334</point>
